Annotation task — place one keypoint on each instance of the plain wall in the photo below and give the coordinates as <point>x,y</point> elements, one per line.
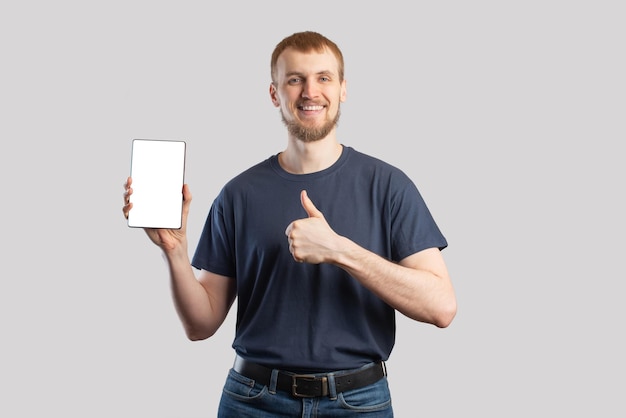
<point>509,117</point>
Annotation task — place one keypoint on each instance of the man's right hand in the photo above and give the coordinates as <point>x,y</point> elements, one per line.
<point>167,239</point>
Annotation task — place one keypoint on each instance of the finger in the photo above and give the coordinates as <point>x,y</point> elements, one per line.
<point>186,193</point>
<point>289,228</point>
<point>127,194</point>
<point>126,209</point>
<point>308,206</point>
<point>186,200</point>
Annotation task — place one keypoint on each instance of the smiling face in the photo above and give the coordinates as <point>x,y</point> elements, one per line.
<point>308,91</point>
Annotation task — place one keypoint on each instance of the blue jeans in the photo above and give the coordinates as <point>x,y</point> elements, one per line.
<point>244,398</point>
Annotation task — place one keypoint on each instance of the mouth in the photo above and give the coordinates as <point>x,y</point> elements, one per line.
<point>311,108</point>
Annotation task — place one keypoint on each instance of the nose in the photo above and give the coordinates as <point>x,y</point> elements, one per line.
<point>310,90</point>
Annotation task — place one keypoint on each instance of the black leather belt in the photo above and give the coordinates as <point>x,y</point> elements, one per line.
<point>311,385</point>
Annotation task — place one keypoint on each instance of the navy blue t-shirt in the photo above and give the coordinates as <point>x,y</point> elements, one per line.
<point>301,316</point>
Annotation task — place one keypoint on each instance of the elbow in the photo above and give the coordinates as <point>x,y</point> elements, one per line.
<point>445,316</point>
<point>195,334</point>
<point>196,337</point>
<point>441,317</point>
<point>444,321</point>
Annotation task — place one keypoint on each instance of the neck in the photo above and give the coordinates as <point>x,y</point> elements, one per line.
<point>309,157</point>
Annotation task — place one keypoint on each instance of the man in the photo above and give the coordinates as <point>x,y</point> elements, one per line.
<point>320,245</point>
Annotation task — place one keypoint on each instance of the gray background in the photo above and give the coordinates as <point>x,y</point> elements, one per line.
<point>509,116</point>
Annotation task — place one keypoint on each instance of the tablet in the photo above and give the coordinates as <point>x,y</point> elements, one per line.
<point>157,170</point>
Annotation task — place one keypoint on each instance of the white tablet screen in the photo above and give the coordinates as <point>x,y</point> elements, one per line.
<point>157,171</point>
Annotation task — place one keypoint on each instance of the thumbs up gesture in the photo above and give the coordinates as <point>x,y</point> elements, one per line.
<point>311,239</point>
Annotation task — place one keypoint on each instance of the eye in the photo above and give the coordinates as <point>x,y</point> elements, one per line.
<point>294,80</point>
<point>325,79</point>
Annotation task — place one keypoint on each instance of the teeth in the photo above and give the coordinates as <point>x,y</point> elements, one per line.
<point>312,107</point>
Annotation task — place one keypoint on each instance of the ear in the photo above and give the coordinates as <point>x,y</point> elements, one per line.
<point>344,93</point>
<point>274,95</point>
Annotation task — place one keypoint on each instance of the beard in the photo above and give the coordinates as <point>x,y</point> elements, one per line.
<point>306,134</point>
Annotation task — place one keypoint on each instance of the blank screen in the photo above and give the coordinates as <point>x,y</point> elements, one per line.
<point>157,171</point>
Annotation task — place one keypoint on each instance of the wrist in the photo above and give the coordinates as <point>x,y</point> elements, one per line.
<point>177,253</point>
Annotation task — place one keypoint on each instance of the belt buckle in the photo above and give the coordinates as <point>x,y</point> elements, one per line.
<point>308,378</point>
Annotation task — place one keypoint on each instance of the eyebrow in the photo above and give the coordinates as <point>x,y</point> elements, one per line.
<point>299,74</point>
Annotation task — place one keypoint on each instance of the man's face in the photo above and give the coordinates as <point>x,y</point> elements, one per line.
<point>308,92</point>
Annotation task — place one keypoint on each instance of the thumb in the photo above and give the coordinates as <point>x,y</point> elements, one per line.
<point>308,206</point>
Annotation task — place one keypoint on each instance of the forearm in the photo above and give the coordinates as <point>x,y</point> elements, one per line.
<point>412,287</point>
<point>192,301</point>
